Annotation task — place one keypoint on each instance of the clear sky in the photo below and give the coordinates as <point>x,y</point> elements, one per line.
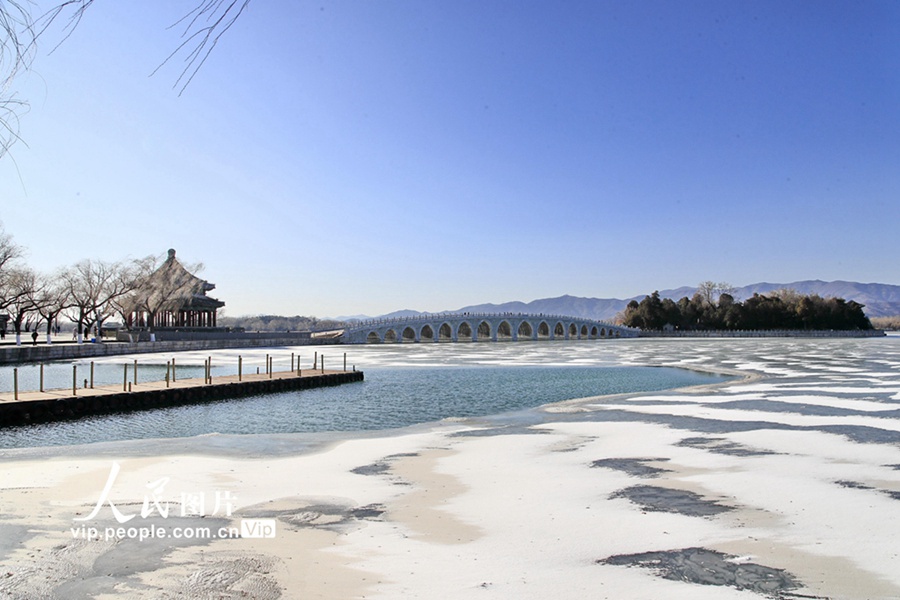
<point>337,158</point>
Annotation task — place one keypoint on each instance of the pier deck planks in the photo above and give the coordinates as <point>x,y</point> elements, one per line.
<point>62,404</point>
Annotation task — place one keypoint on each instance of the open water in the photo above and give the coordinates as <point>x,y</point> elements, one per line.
<point>404,385</point>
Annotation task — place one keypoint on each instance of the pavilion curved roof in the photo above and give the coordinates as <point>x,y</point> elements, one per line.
<point>173,287</point>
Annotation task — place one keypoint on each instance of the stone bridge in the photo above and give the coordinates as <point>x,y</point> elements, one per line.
<point>481,327</point>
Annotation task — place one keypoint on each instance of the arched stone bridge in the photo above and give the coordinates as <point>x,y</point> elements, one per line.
<point>478,327</point>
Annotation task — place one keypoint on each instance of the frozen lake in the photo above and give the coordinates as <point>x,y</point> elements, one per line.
<point>783,479</point>
<point>847,386</point>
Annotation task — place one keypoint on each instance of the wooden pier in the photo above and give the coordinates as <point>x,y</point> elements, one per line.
<point>24,408</point>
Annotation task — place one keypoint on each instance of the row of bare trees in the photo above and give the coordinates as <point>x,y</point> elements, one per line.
<point>88,293</point>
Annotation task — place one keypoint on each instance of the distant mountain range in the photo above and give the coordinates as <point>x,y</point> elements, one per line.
<point>880,300</point>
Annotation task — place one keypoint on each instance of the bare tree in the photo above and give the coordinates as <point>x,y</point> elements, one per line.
<point>710,291</point>
<point>93,286</point>
<point>52,299</point>
<point>139,270</point>
<point>77,284</point>
<point>23,287</point>
<point>9,252</point>
<point>786,295</point>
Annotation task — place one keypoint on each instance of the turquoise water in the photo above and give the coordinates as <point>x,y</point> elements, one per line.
<point>390,397</point>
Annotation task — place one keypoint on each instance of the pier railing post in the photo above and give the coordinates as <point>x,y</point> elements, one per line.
<point>92,374</point>
<point>16,383</point>
<point>135,371</point>
<point>125,379</point>
<point>74,380</point>
<point>42,378</point>
<point>345,362</point>
<point>240,367</point>
<point>173,369</point>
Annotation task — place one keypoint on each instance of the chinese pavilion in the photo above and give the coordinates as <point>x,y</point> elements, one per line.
<point>172,296</point>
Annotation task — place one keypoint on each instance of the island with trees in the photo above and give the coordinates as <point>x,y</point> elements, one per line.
<point>713,307</point>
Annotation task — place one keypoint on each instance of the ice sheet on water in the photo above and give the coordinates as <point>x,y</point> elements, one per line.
<point>803,378</point>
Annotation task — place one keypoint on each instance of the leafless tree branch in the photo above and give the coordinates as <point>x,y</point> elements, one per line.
<point>51,15</point>
<point>205,25</point>
<point>20,32</point>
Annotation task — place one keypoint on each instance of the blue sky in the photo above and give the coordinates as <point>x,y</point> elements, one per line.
<point>336,158</point>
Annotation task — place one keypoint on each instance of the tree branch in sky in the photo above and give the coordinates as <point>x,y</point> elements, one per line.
<point>204,26</point>
<point>20,32</point>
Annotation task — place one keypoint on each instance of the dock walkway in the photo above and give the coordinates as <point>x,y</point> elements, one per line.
<point>65,404</point>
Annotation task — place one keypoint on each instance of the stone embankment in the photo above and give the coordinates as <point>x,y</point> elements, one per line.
<point>28,353</point>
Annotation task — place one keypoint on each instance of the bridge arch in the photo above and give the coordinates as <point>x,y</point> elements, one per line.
<point>543,331</point>
<point>464,332</point>
<point>408,335</point>
<point>484,331</point>
<point>573,332</point>
<point>559,331</point>
<point>390,336</point>
<point>504,331</point>
<point>445,332</point>
<point>525,330</point>
<point>373,338</point>
<point>594,332</point>
<point>426,333</point>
